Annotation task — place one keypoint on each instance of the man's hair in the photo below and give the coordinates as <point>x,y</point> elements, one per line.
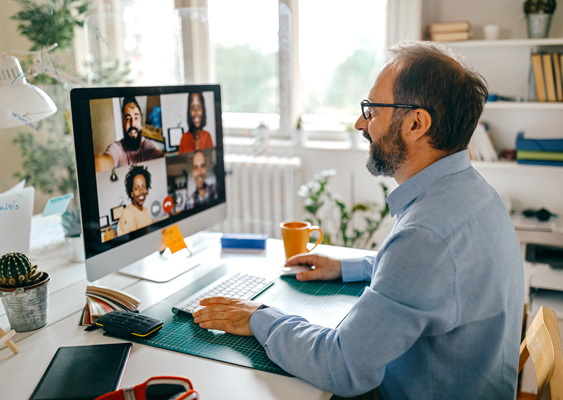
<point>436,79</point>
<point>191,126</point>
<point>133,172</point>
<point>130,100</point>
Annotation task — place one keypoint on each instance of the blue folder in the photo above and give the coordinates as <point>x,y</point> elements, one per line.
<point>538,144</point>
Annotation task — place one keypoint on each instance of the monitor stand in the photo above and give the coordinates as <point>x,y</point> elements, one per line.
<point>162,267</point>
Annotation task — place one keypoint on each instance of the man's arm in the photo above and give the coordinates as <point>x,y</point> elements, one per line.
<point>411,294</point>
<point>105,162</point>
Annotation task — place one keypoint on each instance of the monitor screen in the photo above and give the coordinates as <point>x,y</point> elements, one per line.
<point>147,158</point>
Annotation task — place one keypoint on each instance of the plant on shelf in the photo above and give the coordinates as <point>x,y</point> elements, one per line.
<point>24,292</point>
<point>538,17</point>
<point>355,226</point>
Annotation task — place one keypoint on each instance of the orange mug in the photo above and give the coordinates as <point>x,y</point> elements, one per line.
<point>296,236</point>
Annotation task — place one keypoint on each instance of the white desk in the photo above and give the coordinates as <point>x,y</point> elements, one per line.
<point>19,373</point>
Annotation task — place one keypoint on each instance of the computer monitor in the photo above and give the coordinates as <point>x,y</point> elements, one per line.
<point>139,172</point>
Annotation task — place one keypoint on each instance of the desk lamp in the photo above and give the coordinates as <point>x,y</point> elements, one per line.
<point>21,102</point>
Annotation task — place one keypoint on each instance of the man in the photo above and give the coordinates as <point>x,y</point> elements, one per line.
<point>441,317</point>
<point>204,192</point>
<point>133,148</point>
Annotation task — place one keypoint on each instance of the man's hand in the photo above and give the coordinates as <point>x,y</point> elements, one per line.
<point>326,268</point>
<point>226,314</point>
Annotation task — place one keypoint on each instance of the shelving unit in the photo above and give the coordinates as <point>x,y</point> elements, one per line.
<point>505,64</point>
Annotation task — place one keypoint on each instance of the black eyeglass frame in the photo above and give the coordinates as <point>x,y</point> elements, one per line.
<point>366,103</point>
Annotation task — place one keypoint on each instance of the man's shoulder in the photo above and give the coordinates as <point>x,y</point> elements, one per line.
<point>147,144</point>
<point>116,146</point>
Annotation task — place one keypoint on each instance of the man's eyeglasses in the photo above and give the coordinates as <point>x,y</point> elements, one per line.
<point>366,107</point>
<point>156,388</point>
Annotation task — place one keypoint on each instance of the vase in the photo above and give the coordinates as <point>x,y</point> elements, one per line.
<point>74,248</point>
<point>538,25</point>
<point>26,307</point>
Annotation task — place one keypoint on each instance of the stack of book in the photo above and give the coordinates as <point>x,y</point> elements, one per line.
<point>539,151</point>
<point>449,31</point>
<point>548,78</point>
<point>101,300</point>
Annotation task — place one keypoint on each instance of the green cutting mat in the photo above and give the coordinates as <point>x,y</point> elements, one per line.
<point>324,303</point>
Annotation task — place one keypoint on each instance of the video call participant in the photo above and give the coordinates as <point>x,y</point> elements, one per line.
<point>442,315</point>
<point>133,148</point>
<point>204,192</point>
<point>196,138</point>
<point>135,216</point>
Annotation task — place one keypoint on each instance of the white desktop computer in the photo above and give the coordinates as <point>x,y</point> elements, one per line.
<point>147,158</point>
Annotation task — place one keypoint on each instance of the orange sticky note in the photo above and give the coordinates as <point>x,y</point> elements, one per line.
<point>173,238</point>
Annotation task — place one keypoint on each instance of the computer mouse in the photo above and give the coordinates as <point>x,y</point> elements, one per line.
<point>294,270</point>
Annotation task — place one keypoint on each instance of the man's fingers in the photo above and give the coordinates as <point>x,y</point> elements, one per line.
<point>305,258</point>
<point>307,275</point>
<point>209,316</point>
<point>215,300</point>
<point>220,325</point>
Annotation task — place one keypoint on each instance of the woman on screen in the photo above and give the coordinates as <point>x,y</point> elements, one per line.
<point>196,138</point>
<point>135,216</point>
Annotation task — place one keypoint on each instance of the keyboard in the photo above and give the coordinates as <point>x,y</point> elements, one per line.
<point>239,286</point>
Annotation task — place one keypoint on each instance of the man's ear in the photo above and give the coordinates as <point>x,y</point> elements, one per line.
<point>418,123</point>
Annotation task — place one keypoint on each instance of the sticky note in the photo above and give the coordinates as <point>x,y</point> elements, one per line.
<point>173,238</point>
<point>57,205</point>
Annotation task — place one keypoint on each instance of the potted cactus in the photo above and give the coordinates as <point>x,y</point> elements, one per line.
<point>538,17</point>
<point>24,291</point>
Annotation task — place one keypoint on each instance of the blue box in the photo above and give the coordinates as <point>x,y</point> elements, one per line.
<point>244,241</point>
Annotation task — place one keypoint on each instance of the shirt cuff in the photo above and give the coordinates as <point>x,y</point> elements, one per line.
<point>356,269</point>
<point>262,320</point>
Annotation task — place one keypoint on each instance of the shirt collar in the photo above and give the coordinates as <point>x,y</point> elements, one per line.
<point>413,187</point>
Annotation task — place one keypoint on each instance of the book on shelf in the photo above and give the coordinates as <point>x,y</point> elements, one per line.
<point>539,155</point>
<point>558,77</point>
<point>547,62</point>
<point>538,143</point>
<point>540,162</point>
<point>449,36</point>
<point>481,147</point>
<point>538,77</point>
<point>453,26</point>
<point>101,300</point>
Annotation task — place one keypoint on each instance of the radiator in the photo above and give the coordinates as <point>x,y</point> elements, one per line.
<point>261,193</point>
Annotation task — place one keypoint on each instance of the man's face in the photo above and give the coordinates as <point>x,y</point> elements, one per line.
<point>132,126</point>
<point>196,111</point>
<point>139,192</point>
<point>199,170</point>
<point>387,150</point>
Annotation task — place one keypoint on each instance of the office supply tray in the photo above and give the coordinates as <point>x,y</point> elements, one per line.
<point>324,303</point>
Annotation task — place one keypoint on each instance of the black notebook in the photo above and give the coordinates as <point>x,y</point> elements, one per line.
<point>83,372</point>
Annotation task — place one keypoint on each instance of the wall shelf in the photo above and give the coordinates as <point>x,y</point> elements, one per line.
<point>506,43</point>
<point>524,105</point>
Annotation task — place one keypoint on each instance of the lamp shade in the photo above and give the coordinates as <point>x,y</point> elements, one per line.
<point>21,103</point>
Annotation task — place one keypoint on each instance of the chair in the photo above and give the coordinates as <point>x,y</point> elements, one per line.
<point>543,344</point>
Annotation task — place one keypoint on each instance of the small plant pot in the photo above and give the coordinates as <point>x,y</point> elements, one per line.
<point>538,25</point>
<point>26,307</point>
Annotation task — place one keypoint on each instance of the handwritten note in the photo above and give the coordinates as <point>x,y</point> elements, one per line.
<point>173,238</point>
<point>57,205</point>
<point>9,206</point>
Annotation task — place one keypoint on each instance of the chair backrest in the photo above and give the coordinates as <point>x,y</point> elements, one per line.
<point>543,344</point>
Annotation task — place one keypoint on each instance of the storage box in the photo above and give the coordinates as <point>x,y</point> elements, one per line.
<point>250,241</point>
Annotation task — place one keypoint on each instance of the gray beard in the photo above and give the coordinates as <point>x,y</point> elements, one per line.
<point>385,159</point>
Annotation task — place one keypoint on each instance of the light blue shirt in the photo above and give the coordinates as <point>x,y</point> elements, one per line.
<point>442,316</point>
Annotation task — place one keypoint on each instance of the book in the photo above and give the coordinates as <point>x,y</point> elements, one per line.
<point>548,77</point>
<point>541,162</point>
<point>449,36</point>
<point>101,300</point>
<point>538,144</point>
<point>481,147</point>
<point>83,372</point>
<point>539,155</point>
<point>538,77</point>
<point>449,26</point>
<point>557,73</point>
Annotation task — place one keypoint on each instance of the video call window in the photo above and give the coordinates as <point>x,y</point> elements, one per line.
<point>155,157</point>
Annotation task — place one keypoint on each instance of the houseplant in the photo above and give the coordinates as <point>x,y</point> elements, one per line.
<point>538,17</point>
<point>24,291</point>
<point>72,228</point>
<point>353,226</point>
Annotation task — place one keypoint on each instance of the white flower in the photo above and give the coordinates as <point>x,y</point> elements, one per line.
<point>316,177</point>
<point>327,173</point>
<point>308,202</point>
<point>303,191</point>
<point>314,186</point>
